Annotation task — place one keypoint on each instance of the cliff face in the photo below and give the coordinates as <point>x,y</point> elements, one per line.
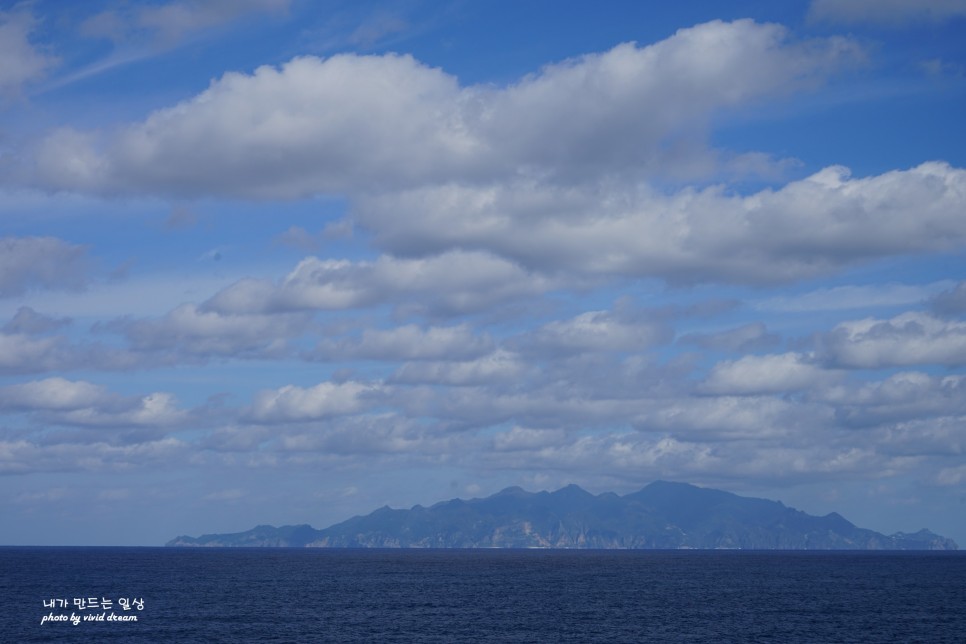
<point>662,515</point>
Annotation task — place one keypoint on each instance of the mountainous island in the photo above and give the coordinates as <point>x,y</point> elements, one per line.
<point>660,516</point>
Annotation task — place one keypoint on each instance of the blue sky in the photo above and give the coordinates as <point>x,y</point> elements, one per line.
<point>280,261</point>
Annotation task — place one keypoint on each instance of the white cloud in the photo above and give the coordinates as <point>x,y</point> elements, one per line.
<point>633,457</point>
<point>807,228</point>
<point>886,12</point>
<point>22,60</point>
<point>40,262</point>
<point>297,404</point>
<point>596,331</point>
<point>562,405</point>
<point>938,439</point>
<point>951,301</point>
<point>373,435</point>
<point>549,174</point>
<point>725,418</point>
<point>220,496</point>
<point>25,354</point>
<point>408,342</point>
<point>69,160</point>
<point>23,457</point>
<point>22,353</point>
<point>451,283</point>
<point>767,374</point>
<point>138,295</point>
<point>151,411</point>
<point>524,438</point>
<point>951,475</point>
<point>29,322</point>
<point>312,126</point>
<point>747,337</point>
<point>363,123</point>
<point>192,331</point>
<point>909,339</point>
<point>52,495</point>
<point>615,109</point>
<point>903,396</point>
<point>841,298</point>
<point>501,366</point>
<point>79,403</point>
<point>52,394</point>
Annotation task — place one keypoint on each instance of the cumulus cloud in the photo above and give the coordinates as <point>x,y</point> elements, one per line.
<point>767,374</point>
<point>23,352</point>
<point>747,337</point>
<point>374,435</point>
<point>886,12</point>
<point>633,457</point>
<point>939,439</point>
<point>903,396</point>
<point>52,394</point>
<point>25,457</point>
<point>500,366</point>
<point>807,228</point>
<point>40,262</point>
<point>912,338</point>
<point>615,109</point>
<point>451,283</point>
<point>357,123</point>
<point>407,342</point>
<point>151,411</point>
<point>525,438</point>
<point>951,301</point>
<point>292,404</point>
<point>190,330</point>
<point>840,298</point>
<point>534,404</point>
<point>80,403</point>
<point>727,418</point>
<point>549,174</point>
<point>23,61</point>
<point>951,475</point>
<point>29,322</point>
<point>596,331</point>
<point>325,125</point>
<point>618,454</point>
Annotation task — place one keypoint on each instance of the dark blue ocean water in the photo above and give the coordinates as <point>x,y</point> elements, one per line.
<point>308,595</point>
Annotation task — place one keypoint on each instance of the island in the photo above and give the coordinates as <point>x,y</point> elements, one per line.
<point>662,515</point>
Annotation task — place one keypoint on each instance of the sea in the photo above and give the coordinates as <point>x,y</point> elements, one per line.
<point>320,595</point>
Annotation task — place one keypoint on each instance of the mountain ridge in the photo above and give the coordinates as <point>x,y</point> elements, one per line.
<point>661,515</point>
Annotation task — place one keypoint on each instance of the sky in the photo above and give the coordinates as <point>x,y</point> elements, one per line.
<point>285,261</point>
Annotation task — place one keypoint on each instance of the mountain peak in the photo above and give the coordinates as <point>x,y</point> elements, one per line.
<point>513,490</point>
<point>571,491</point>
